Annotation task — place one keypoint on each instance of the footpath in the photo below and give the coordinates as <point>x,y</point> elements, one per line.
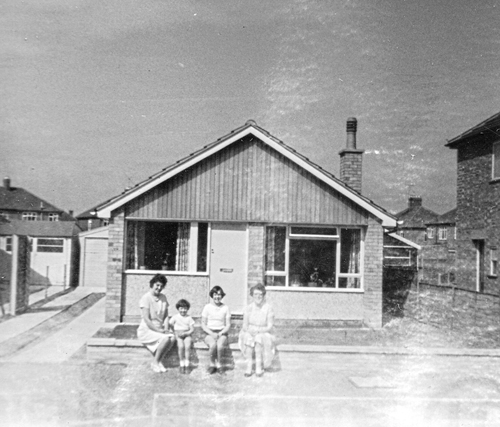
<point>54,327</point>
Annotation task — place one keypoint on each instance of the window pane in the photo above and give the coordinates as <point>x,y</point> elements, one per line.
<point>312,262</point>
<point>349,282</point>
<point>49,249</point>
<point>275,248</point>
<point>313,231</point>
<point>50,242</point>
<point>350,240</point>
<point>275,280</point>
<point>202,246</point>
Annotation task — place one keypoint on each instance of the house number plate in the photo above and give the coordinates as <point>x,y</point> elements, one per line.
<point>226,270</point>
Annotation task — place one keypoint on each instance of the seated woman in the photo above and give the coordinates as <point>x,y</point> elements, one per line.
<point>216,321</point>
<point>255,337</point>
<point>153,331</point>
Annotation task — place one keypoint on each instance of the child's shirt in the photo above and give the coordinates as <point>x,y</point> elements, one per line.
<point>181,323</point>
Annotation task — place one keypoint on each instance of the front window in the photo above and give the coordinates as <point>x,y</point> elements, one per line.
<point>496,161</point>
<point>53,217</point>
<point>442,233</point>
<point>30,216</point>
<point>493,262</point>
<point>430,232</point>
<point>172,246</point>
<point>50,245</point>
<point>327,257</point>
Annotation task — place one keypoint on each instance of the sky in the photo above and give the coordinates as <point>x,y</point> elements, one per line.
<point>96,96</point>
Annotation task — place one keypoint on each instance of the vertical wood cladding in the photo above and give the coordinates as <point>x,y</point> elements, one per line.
<point>247,181</point>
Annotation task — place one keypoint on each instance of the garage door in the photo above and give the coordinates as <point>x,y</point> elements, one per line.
<point>96,262</point>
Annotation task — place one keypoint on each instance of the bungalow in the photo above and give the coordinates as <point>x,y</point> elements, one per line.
<point>247,209</point>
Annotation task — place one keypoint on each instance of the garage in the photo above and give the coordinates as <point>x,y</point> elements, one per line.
<point>94,257</point>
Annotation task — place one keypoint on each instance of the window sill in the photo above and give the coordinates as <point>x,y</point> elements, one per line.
<point>167,272</point>
<point>307,289</point>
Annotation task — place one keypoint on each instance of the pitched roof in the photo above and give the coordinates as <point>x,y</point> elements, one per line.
<point>415,217</point>
<point>489,128</point>
<point>449,217</point>
<point>39,228</point>
<point>250,127</point>
<point>18,199</point>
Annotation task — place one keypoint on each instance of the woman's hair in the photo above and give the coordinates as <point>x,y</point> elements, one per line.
<point>216,290</point>
<point>182,303</point>
<point>258,287</point>
<point>158,278</point>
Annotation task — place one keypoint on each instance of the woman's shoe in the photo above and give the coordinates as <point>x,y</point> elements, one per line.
<point>155,368</point>
<point>162,367</point>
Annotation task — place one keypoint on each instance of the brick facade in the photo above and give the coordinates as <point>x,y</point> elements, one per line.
<point>478,215</point>
<point>351,162</point>
<point>115,280</point>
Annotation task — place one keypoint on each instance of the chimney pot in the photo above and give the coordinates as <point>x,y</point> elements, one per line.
<point>352,127</point>
<point>6,183</point>
<point>414,201</point>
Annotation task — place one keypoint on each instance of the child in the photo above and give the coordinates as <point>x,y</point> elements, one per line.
<point>183,325</point>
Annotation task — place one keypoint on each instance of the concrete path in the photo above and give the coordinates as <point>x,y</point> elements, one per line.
<point>26,321</point>
<point>38,296</point>
<point>63,344</point>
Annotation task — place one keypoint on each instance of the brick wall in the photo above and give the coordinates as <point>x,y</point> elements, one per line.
<point>256,250</point>
<point>114,284</point>
<point>478,213</point>
<point>373,266</point>
<point>350,168</point>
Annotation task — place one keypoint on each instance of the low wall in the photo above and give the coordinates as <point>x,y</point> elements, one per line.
<point>193,288</point>
<point>453,308</point>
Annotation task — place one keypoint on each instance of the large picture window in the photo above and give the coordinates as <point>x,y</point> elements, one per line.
<point>172,246</point>
<point>326,257</point>
<point>50,245</point>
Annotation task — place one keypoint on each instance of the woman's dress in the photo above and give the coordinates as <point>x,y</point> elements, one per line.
<point>258,317</point>
<point>158,310</point>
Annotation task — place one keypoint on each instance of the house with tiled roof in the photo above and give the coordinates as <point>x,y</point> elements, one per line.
<point>52,235</point>
<point>249,209</point>
<point>478,205</point>
<point>412,221</point>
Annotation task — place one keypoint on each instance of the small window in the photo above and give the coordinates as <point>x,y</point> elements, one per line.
<point>53,217</point>
<point>442,233</point>
<point>30,216</point>
<point>493,262</point>
<point>50,245</point>
<point>430,232</point>
<point>496,161</point>
<point>4,215</point>
<point>8,244</point>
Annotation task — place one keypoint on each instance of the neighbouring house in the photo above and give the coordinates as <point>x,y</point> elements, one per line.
<point>88,220</point>
<point>248,209</point>
<point>478,206</point>
<point>412,221</point>
<point>438,256</point>
<point>52,235</point>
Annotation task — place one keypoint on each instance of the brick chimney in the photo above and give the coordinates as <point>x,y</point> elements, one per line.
<point>414,201</point>
<point>6,183</point>
<point>351,158</point>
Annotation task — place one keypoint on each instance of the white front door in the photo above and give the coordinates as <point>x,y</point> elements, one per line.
<point>228,263</point>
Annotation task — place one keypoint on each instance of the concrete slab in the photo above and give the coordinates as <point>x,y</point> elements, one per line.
<point>371,382</point>
<point>62,345</point>
<point>26,321</point>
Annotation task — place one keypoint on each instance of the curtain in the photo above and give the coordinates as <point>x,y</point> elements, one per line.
<point>182,255</point>
<point>132,256</point>
<point>354,252</point>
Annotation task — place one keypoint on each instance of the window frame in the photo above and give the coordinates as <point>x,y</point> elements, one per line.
<point>431,232</point>
<point>52,246</point>
<point>30,216</point>
<point>192,270</point>
<point>53,217</point>
<point>442,233</point>
<point>338,275</point>
<point>493,262</point>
